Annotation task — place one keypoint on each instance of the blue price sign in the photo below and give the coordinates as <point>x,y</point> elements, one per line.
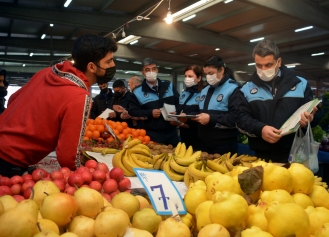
<point>161,191</point>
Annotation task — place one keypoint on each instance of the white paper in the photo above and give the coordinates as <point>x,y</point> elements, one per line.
<point>105,113</point>
<point>166,109</point>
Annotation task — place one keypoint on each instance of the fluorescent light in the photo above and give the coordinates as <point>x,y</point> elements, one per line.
<point>317,54</point>
<point>122,60</point>
<point>31,54</point>
<point>290,66</point>
<point>169,68</point>
<point>258,39</point>
<point>189,17</point>
<point>43,36</point>
<point>240,72</point>
<point>137,62</point>
<point>193,55</point>
<point>193,8</point>
<point>129,39</point>
<point>304,28</point>
<point>23,65</point>
<point>51,25</point>
<point>67,3</point>
<point>41,54</point>
<point>134,42</point>
<point>217,49</point>
<point>227,1</point>
<point>250,64</point>
<point>16,53</point>
<point>62,54</point>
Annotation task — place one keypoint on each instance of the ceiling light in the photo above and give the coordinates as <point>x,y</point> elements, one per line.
<point>304,28</point>
<point>217,49</point>
<point>72,61</point>
<point>290,66</point>
<point>240,72</point>
<point>258,39</point>
<point>227,1</point>
<point>169,68</point>
<point>51,25</point>
<point>317,54</point>
<point>122,60</point>
<point>43,36</point>
<point>250,64</point>
<point>137,62</point>
<point>193,55</point>
<point>189,17</point>
<point>128,39</point>
<point>123,33</point>
<point>168,19</point>
<point>31,54</point>
<point>134,42</point>
<point>192,9</point>
<point>67,3</point>
<point>23,65</point>
<point>17,53</point>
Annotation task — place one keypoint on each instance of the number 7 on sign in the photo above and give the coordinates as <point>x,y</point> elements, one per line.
<point>163,196</point>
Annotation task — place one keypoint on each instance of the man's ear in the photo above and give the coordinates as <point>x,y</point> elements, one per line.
<point>91,67</point>
<point>279,62</point>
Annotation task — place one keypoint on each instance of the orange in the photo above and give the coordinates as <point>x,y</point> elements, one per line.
<point>125,131</point>
<point>120,128</point>
<point>121,137</point>
<point>85,138</point>
<point>134,133</point>
<point>129,130</point>
<point>124,124</point>
<point>142,132</point>
<point>92,128</point>
<point>147,139</point>
<point>90,121</point>
<point>116,132</point>
<point>89,134</point>
<point>96,134</point>
<point>100,128</point>
<point>141,138</point>
<point>110,139</point>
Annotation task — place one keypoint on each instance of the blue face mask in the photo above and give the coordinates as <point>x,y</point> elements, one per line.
<point>3,91</point>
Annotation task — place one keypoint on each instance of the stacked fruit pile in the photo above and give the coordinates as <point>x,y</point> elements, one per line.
<point>284,202</point>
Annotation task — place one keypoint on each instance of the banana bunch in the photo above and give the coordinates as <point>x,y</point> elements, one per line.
<point>318,181</point>
<point>104,150</point>
<point>134,154</point>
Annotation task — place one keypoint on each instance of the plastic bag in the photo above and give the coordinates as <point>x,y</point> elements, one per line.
<point>304,149</point>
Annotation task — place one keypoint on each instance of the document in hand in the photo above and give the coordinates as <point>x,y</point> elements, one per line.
<point>105,113</point>
<point>292,124</point>
<point>166,109</point>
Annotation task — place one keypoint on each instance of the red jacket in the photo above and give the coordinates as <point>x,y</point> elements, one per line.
<point>50,112</point>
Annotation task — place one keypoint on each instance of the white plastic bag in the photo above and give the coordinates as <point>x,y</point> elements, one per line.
<point>304,149</point>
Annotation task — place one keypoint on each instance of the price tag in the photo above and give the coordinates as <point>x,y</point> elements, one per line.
<point>161,191</point>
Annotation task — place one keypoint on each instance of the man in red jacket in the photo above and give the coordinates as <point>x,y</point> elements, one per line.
<point>50,112</point>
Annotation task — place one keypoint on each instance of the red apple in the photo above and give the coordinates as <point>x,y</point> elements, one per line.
<point>2,193</point>
<point>16,180</point>
<point>18,198</point>
<point>87,177</point>
<point>27,193</point>
<point>117,174</point>
<point>26,184</point>
<point>81,169</point>
<point>70,190</point>
<point>57,175</point>
<point>60,183</point>
<point>91,170</point>
<point>5,181</point>
<point>75,180</point>
<point>114,193</point>
<point>102,166</point>
<point>6,190</point>
<point>91,164</point>
<point>99,176</point>
<point>124,184</point>
<point>128,191</point>
<point>96,185</point>
<point>39,174</point>
<point>16,189</point>
<point>110,186</point>
<point>107,175</point>
<point>47,178</point>
<point>65,171</point>
<point>107,196</point>
<point>27,177</point>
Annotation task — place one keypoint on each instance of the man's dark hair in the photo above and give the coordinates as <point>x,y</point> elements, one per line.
<point>5,83</point>
<point>91,48</point>
<point>266,47</point>
<point>118,83</point>
<point>148,61</point>
<point>3,72</point>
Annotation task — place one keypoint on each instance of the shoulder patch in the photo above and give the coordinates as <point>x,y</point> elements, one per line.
<point>220,97</point>
<point>253,91</point>
<point>182,96</point>
<point>202,98</point>
<point>294,88</point>
<point>146,94</point>
<point>197,98</point>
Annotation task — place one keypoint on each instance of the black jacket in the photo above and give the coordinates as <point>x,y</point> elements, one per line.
<point>260,105</point>
<point>144,100</point>
<point>100,103</point>
<point>124,102</point>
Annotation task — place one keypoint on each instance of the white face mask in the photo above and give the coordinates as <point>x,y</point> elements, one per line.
<point>189,81</point>
<point>151,76</point>
<point>212,79</point>
<point>267,75</point>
